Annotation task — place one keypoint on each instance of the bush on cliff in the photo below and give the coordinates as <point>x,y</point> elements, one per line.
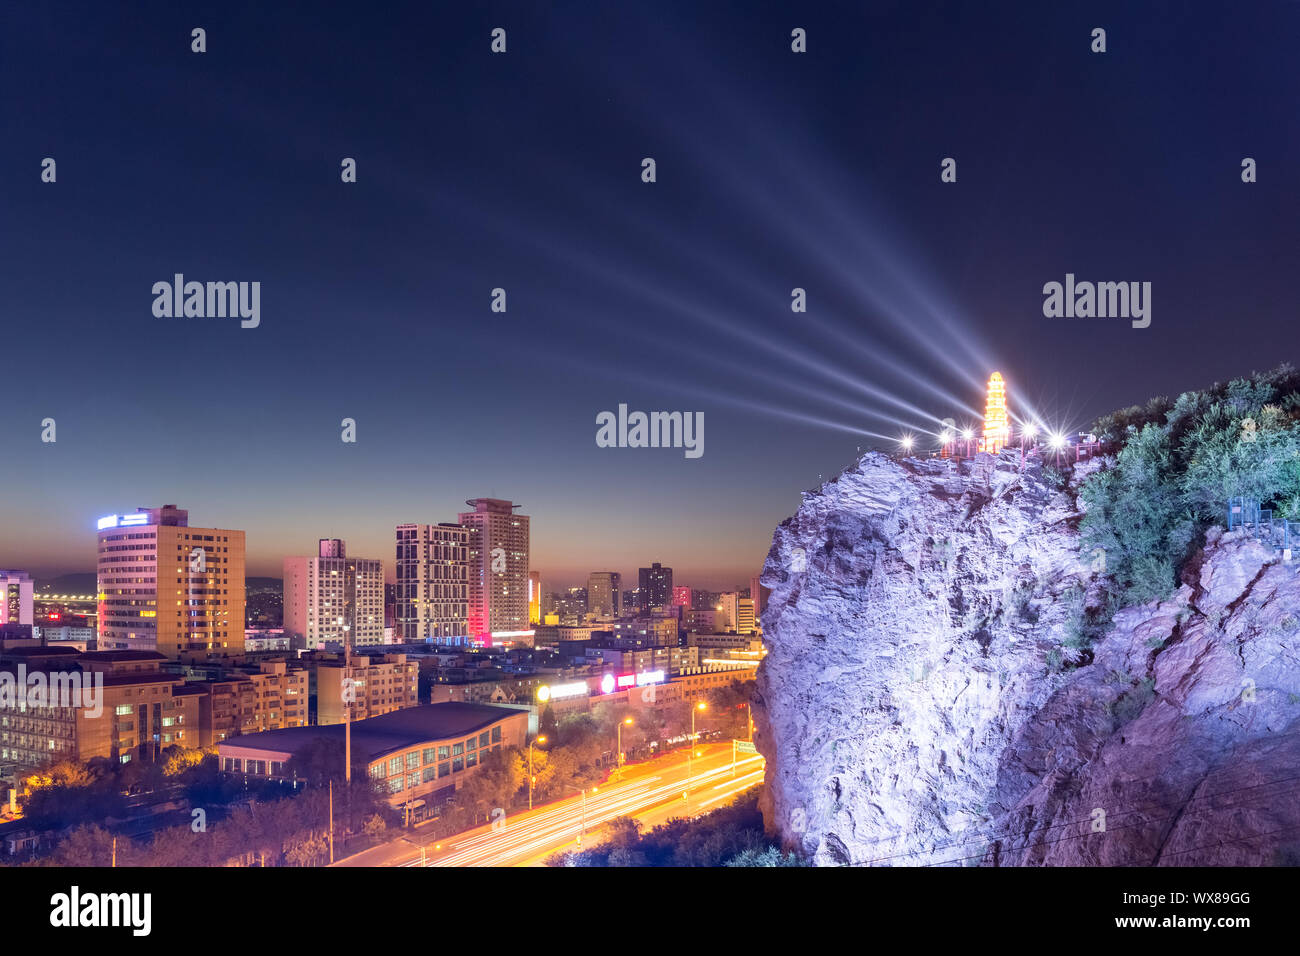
<point>1178,465</point>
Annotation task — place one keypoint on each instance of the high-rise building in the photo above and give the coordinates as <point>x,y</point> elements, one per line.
<point>498,568</point>
<point>758,594</point>
<point>333,599</point>
<point>656,587</point>
<point>167,587</point>
<point>432,591</point>
<point>604,594</point>
<point>15,597</point>
<point>735,613</point>
<point>534,597</point>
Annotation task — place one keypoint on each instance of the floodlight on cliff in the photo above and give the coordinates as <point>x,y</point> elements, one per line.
<point>906,442</point>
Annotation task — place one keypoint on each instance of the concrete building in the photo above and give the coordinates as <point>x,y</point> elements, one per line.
<point>758,594</point>
<point>655,587</point>
<point>432,590</point>
<point>379,685</point>
<point>534,598</point>
<point>167,587</point>
<point>498,569</point>
<point>646,631</point>
<point>117,705</point>
<point>332,599</point>
<point>562,633</point>
<point>250,699</point>
<point>16,598</point>
<point>421,755</point>
<point>604,594</point>
<point>671,660</point>
<point>735,613</point>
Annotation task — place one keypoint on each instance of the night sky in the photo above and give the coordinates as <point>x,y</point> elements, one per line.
<point>522,171</point>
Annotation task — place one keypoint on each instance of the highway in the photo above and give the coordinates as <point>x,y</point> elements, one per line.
<point>651,792</point>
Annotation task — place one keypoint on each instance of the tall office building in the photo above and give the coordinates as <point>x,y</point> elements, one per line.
<point>432,591</point>
<point>15,597</point>
<point>167,587</point>
<point>735,613</point>
<point>604,594</point>
<point>498,569</point>
<point>656,587</point>
<point>333,599</point>
<point>534,597</point>
<point>758,594</point>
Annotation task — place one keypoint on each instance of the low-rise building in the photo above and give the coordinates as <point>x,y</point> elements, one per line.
<point>380,684</point>
<point>117,705</point>
<point>421,754</point>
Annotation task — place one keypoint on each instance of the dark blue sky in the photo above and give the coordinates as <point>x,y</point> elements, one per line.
<point>522,171</point>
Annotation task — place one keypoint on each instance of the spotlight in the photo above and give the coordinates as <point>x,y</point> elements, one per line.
<point>945,437</point>
<point>968,434</point>
<point>906,442</point>
<point>1030,430</point>
<point>1057,441</point>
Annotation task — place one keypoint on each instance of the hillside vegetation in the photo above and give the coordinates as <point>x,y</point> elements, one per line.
<point>1179,463</point>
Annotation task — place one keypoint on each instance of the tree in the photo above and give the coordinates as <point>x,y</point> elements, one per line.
<point>87,845</point>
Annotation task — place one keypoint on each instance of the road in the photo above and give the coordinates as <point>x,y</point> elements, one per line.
<point>651,792</point>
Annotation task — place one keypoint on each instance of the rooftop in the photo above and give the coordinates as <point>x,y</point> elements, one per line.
<point>378,736</point>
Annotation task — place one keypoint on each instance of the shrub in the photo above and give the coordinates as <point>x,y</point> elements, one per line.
<point>1179,464</point>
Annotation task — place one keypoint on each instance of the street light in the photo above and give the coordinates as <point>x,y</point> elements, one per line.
<point>583,832</point>
<point>690,754</point>
<point>531,778</point>
<point>628,722</point>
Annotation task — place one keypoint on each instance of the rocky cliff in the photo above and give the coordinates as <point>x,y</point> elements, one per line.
<point>928,697</point>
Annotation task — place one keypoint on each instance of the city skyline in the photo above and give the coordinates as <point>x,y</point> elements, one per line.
<point>268,564</point>
<point>776,171</point>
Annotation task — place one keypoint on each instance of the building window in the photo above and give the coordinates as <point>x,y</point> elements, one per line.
<point>394,765</point>
<point>444,769</point>
<point>394,784</point>
<point>443,753</point>
<point>471,760</point>
<point>458,765</point>
<point>428,755</point>
<point>457,749</point>
<point>496,735</point>
<point>413,760</point>
<point>483,739</point>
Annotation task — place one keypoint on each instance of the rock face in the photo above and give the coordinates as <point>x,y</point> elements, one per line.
<point>926,699</point>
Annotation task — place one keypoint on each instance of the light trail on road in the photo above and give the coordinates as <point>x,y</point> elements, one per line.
<point>523,839</point>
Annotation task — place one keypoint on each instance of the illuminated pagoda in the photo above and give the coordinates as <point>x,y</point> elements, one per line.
<point>996,431</point>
